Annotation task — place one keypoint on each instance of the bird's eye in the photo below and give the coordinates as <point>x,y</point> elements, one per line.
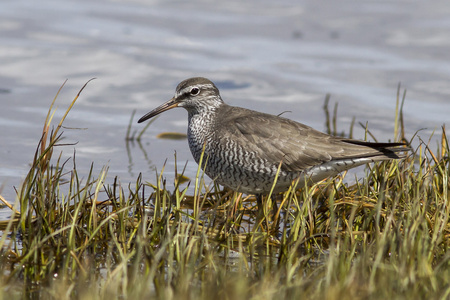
<point>195,91</point>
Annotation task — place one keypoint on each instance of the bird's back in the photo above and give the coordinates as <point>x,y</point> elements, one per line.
<point>297,146</point>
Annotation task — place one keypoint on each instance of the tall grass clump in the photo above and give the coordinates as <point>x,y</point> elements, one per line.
<point>72,236</point>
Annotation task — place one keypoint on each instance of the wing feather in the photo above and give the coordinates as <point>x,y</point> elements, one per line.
<point>298,146</point>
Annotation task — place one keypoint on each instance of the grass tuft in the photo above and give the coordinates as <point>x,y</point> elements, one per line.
<point>385,236</point>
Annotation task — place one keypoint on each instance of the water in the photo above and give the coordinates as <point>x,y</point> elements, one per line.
<point>266,55</point>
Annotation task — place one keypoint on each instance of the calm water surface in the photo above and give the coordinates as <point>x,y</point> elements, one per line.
<point>272,56</point>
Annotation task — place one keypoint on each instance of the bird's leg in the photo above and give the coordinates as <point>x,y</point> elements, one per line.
<point>274,205</point>
<point>234,215</point>
<point>273,215</point>
<point>259,201</point>
<point>260,216</point>
<point>235,207</point>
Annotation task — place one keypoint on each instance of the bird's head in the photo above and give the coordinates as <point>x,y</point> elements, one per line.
<point>196,95</point>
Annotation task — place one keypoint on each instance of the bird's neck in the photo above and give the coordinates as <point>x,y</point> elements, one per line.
<point>201,121</point>
<point>205,111</point>
<point>201,129</point>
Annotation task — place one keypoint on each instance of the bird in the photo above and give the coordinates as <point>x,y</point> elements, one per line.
<point>251,152</point>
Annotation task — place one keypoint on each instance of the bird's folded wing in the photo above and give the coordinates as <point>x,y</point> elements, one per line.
<point>297,146</point>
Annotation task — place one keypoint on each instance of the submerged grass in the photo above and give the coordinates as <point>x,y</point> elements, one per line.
<point>74,237</point>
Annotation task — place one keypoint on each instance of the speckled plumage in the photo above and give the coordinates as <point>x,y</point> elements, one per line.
<point>244,148</point>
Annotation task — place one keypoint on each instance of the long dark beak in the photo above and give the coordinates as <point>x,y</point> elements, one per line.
<point>166,106</point>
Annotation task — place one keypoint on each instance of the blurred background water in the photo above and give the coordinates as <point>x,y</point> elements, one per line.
<point>271,56</point>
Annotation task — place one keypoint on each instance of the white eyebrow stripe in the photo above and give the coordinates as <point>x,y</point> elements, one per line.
<point>200,86</point>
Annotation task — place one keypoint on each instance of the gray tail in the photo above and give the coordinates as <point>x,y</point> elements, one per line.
<point>386,150</point>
